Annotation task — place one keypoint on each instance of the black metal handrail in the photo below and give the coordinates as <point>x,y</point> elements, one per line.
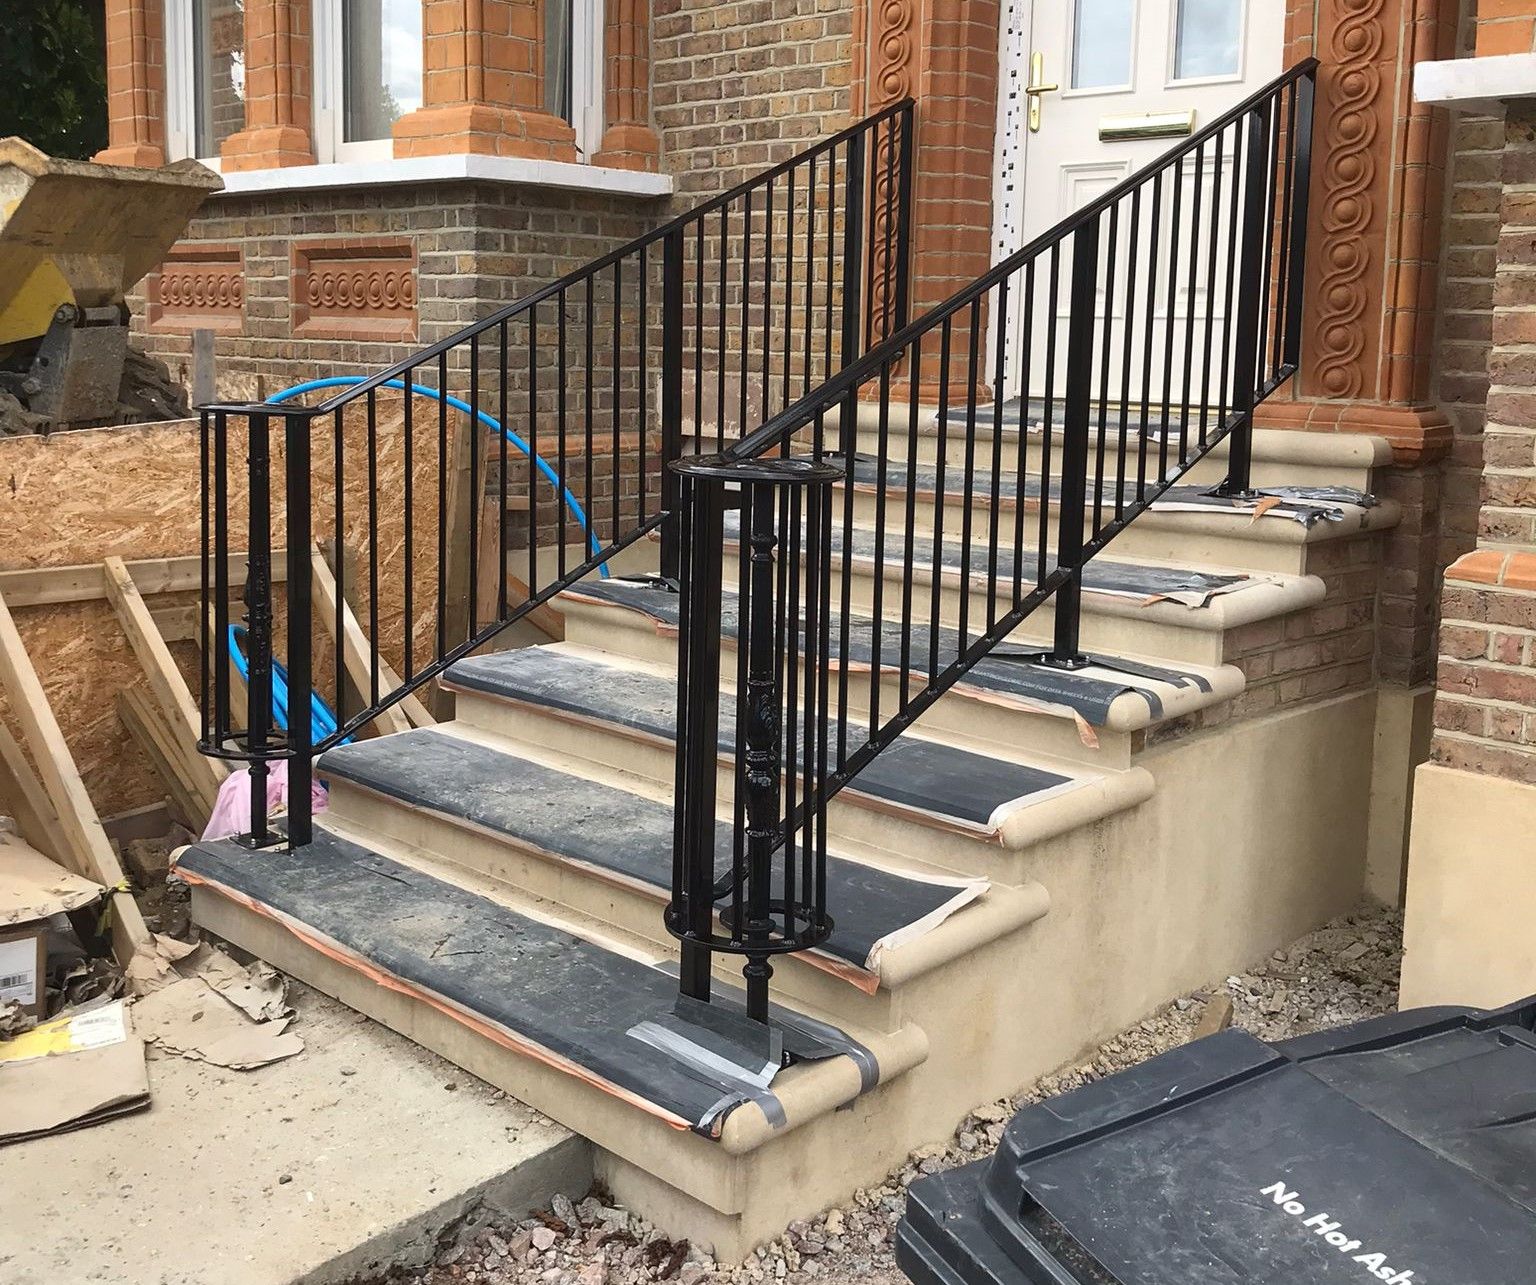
<point>732,310</point>
<point>1139,333</point>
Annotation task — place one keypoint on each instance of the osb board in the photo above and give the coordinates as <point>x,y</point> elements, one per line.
<point>75,498</point>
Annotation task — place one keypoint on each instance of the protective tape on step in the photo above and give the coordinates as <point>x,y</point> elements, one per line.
<point>1176,677</point>
<point>736,1081</point>
<point>861,1057</point>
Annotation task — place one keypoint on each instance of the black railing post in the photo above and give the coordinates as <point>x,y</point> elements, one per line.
<point>690,916</point>
<point>300,615</point>
<point>671,396</point>
<point>1301,185</point>
<point>1082,304</point>
<point>762,765</point>
<point>854,182</point>
<point>1250,296</point>
<point>258,621</point>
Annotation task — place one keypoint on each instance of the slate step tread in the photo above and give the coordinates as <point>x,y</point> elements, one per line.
<point>564,999</point>
<point>1004,673</point>
<point>620,834</point>
<point>974,790</point>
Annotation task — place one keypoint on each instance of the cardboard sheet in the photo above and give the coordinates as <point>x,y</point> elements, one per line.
<point>32,887</point>
<point>74,1071</point>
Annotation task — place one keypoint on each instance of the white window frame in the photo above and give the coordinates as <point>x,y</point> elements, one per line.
<point>181,85</point>
<point>328,87</point>
<point>588,34</point>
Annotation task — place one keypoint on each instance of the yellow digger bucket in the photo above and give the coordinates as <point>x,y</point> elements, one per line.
<point>76,232</point>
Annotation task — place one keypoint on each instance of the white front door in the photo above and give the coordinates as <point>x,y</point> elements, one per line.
<point>1084,82</point>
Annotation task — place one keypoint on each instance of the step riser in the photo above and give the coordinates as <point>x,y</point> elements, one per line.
<point>1208,471</point>
<point>631,910</point>
<point>1121,635</point>
<point>976,723</point>
<point>1152,537</point>
<point>857,829</point>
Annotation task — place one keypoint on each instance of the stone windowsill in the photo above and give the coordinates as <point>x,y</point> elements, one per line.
<point>525,171</point>
<point>1482,85</point>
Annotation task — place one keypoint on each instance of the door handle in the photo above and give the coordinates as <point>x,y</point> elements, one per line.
<point>1036,88</point>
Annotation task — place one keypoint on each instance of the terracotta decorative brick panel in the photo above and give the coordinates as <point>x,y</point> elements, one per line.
<point>346,289</point>
<point>199,287</point>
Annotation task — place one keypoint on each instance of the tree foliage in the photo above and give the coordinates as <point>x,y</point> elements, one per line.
<point>53,83</point>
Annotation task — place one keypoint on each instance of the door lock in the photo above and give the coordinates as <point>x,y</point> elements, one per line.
<point>1036,88</point>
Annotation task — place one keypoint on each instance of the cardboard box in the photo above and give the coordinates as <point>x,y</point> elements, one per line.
<point>24,966</point>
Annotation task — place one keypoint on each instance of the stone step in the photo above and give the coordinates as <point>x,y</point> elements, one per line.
<point>964,810</point>
<point>588,1033</point>
<point>1279,533</point>
<point>1095,715</point>
<point>545,826</point>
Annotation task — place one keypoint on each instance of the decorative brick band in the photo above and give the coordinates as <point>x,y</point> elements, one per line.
<point>199,287</point>
<point>350,289</point>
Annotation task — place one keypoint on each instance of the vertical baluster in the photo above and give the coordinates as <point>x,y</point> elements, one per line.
<point>853,251</point>
<point>877,609</point>
<point>788,674</point>
<point>616,348</point>
<point>994,507</point>
<point>258,629</point>
<point>765,330</point>
<point>827,367</point>
<point>444,463</point>
<point>720,345</point>
<point>904,220</point>
<point>1270,172</point>
<point>207,721</point>
<point>1074,442</point>
<point>1250,294</point>
<point>1048,418</point>
<point>1301,160</point>
<point>562,402</point>
<point>1021,471</point>
<point>338,540</point>
<point>789,287</point>
<point>372,440</point>
<point>1127,355</point>
<point>967,510</point>
<point>698,346</point>
<point>533,450</point>
<point>936,548</point>
<point>1213,250</point>
<point>671,393</point>
<point>1189,302</point>
<point>222,716</point>
<point>1106,338</point>
<point>476,497</point>
<point>589,412</point>
<point>300,628</point>
<point>1282,309</point>
<point>643,393</point>
<point>909,525</point>
<point>503,409</point>
<point>1171,313</point>
<point>1154,248</point>
<point>1234,250</point>
<point>742,427</point>
<point>810,279</point>
<point>408,540</point>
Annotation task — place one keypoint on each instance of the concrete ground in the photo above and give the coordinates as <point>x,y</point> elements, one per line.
<point>360,1152</point>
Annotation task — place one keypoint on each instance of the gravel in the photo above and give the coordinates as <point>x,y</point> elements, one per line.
<point>1343,972</point>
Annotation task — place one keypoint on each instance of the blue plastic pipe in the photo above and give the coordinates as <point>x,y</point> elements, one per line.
<point>422,390</point>
<point>322,719</point>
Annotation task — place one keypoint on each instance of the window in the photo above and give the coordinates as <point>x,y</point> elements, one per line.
<point>367,74</point>
<point>573,68</point>
<point>1208,41</point>
<point>1101,44</point>
<point>205,44</point>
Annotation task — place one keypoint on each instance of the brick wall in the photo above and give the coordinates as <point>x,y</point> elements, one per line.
<point>738,87</point>
<point>1505,27</point>
<point>475,246</point>
<point>1485,713</point>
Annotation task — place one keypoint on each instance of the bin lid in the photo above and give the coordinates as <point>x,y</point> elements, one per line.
<point>1399,1150</point>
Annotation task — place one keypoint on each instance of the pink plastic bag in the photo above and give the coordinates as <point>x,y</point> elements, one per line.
<point>232,809</point>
